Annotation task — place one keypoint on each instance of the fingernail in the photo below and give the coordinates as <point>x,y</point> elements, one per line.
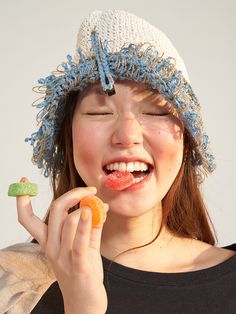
<point>24,179</point>
<point>84,214</point>
<point>106,206</point>
<point>91,188</point>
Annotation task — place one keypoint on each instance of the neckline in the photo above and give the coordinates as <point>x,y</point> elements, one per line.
<point>172,279</point>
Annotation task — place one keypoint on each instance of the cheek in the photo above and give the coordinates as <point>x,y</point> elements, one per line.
<point>86,145</point>
<point>168,152</point>
<point>169,148</point>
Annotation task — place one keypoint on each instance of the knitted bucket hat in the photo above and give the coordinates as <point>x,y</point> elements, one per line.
<point>117,45</point>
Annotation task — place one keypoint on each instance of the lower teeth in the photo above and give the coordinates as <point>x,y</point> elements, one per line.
<point>136,180</point>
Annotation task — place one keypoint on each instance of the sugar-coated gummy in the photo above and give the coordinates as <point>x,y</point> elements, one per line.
<point>98,209</point>
<point>23,188</point>
<point>119,180</point>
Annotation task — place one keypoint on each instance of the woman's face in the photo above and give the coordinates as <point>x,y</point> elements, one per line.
<point>134,125</point>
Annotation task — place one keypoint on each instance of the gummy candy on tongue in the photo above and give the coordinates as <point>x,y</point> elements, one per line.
<point>119,180</point>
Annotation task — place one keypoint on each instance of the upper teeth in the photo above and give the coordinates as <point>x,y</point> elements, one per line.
<point>129,166</point>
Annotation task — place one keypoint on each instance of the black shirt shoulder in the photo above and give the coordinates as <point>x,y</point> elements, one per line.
<point>51,302</point>
<point>212,290</point>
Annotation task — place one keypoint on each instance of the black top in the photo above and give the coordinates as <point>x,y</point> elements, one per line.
<point>132,291</point>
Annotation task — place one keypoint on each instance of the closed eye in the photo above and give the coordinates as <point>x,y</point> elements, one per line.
<point>157,114</point>
<point>97,113</point>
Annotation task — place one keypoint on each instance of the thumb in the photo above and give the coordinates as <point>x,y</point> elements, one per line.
<point>96,232</point>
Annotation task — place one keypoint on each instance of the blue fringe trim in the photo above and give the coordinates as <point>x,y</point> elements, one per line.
<point>130,63</point>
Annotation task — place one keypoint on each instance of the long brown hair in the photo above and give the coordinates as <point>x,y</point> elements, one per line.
<point>184,212</point>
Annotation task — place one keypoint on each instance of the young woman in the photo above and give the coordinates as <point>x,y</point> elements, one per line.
<point>123,104</point>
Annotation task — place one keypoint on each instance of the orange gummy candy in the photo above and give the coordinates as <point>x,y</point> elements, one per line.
<point>97,206</point>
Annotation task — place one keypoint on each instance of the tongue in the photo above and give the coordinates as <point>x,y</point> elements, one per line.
<point>119,180</point>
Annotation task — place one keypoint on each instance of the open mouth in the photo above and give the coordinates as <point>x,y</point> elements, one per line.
<point>138,170</point>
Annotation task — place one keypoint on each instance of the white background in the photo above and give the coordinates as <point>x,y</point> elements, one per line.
<point>36,36</point>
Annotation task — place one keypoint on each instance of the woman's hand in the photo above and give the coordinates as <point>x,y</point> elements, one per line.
<point>72,248</point>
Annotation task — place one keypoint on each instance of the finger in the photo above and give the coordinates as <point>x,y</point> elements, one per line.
<point>26,217</point>
<point>58,214</point>
<point>86,237</point>
<point>68,232</point>
<point>81,241</point>
<point>96,234</point>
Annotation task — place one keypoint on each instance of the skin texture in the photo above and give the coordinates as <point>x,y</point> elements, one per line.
<point>72,248</point>
<point>70,243</point>
<point>124,132</point>
<point>122,128</point>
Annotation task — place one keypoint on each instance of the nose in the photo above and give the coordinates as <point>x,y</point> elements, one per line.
<point>128,131</point>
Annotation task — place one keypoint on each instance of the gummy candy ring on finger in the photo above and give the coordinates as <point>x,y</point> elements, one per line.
<point>23,188</point>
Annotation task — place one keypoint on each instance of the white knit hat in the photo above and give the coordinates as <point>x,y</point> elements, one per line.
<point>117,45</point>
<point>123,28</point>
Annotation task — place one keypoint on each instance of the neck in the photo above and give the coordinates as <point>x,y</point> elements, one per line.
<point>121,233</point>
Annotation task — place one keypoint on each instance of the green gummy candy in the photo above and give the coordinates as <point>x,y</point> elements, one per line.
<point>23,188</point>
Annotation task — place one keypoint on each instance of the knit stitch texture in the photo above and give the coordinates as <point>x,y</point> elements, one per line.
<point>116,45</point>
